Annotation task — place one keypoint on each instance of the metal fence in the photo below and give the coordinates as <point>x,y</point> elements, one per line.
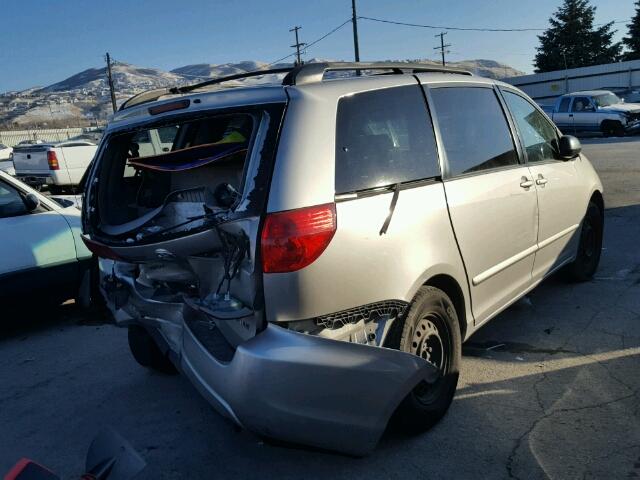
<point>13,137</point>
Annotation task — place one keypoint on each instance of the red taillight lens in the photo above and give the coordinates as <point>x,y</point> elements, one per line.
<point>293,239</point>
<point>99,249</point>
<point>52,160</point>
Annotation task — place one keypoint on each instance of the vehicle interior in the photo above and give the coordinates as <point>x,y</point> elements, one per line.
<point>172,176</point>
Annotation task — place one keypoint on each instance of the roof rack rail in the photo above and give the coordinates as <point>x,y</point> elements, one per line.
<point>314,72</point>
<point>299,75</point>
<point>152,95</point>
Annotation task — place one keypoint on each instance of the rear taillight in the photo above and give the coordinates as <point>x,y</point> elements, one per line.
<point>293,239</point>
<point>99,249</point>
<point>52,160</point>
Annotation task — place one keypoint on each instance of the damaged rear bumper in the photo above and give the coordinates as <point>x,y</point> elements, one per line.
<point>287,385</point>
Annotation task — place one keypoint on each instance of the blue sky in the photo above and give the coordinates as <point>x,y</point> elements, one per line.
<point>42,41</point>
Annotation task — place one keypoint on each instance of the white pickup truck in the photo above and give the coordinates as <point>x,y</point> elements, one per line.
<point>58,165</point>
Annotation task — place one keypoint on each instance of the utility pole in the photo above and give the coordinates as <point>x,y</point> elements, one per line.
<point>442,46</point>
<point>297,45</point>
<point>566,73</point>
<point>110,79</point>
<point>354,21</point>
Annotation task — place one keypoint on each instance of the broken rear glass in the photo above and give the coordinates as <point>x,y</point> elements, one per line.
<point>173,178</point>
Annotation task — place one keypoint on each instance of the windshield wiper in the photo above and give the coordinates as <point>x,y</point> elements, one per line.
<point>392,207</point>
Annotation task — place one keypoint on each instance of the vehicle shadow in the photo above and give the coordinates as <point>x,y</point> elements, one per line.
<point>599,139</point>
<point>24,318</point>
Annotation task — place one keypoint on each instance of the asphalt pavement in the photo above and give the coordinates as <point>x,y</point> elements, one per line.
<point>549,389</point>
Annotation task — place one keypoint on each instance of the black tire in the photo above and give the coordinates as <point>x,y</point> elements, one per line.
<point>431,311</point>
<point>618,129</point>
<point>612,128</point>
<point>146,351</point>
<point>589,246</point>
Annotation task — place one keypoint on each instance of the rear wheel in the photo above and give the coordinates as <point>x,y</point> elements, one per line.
<point>146,351</point>
<point>589,246</point>
<point>430,331</point>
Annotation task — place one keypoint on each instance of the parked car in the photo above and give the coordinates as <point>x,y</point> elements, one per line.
<point>6,159</point>
<point>284,234</point>
<point>42,254</point>
<point>596,111</point>
<point>59,165</point>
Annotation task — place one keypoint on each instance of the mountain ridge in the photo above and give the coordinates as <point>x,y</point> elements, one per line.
<point>84,97</point>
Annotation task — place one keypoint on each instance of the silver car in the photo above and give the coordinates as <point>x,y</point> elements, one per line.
<point>312,254</point>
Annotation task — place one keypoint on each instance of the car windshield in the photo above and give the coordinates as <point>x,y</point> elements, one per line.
<point>606,99</point>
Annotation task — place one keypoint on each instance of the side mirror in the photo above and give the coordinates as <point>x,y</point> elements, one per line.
<point>31,201</point>
<point>569,147</point>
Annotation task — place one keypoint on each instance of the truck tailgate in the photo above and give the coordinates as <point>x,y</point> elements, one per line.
<point>31,159</point>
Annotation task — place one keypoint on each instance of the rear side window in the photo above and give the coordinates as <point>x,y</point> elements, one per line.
<point>384,137</point>
<point>564,105</point>
<point>474,130</point>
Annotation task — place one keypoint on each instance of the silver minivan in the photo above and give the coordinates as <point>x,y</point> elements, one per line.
<point>312,253</point>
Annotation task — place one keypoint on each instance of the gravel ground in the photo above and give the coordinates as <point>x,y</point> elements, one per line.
<point>549,389</point>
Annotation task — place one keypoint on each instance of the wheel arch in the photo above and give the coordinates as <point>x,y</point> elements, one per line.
<point>452,288</point>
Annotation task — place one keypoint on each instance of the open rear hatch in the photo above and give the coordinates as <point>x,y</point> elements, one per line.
<point>182,200</point>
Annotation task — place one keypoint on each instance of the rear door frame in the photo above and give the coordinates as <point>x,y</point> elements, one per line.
<point>446,176</point>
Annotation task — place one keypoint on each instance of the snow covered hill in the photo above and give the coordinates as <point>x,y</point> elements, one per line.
<point>125,76</point>
<point>84,97</point>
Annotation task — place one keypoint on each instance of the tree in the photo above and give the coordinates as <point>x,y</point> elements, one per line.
<point>632,41</point>
<point>572,41</point>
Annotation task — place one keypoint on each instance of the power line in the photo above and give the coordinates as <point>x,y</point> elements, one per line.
<point>441,27</point>
<point>311,44</point>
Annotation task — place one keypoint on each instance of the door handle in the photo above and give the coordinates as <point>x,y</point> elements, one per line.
<point>525,182</point>
<point>571,115</point>
<point>541,180</point>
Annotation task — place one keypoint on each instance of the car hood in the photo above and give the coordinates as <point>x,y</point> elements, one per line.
<point>622,108</point>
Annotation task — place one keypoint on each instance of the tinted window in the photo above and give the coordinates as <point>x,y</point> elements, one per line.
<point>538,135</point>
<point>474,130</point>
<point>564,105</point>
<point>11,203</point>
<point>384,137</point>
<point>582,104</point>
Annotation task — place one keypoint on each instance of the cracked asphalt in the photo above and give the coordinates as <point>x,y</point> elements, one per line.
<point>549,389</point>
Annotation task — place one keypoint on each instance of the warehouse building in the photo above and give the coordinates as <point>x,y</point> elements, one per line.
<point>620,77</point>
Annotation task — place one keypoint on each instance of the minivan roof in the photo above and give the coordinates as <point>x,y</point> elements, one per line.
<point>217,96</point>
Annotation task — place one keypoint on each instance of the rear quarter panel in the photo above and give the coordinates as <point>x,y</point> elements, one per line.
<point>360,266</point>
